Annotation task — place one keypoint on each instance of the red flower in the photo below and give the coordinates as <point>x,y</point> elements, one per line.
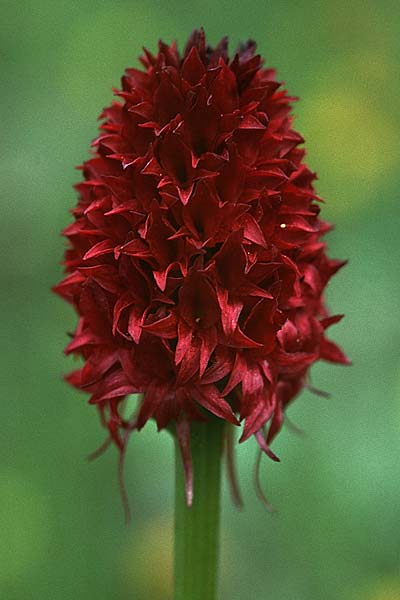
<point>195,259</point>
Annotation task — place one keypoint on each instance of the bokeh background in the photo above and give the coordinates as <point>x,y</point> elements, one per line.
<point>336,535</point>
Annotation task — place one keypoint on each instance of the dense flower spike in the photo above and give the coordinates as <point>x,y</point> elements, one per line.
<point>195,259</point>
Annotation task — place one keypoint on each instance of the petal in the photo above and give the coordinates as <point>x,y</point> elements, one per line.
<point>165,327</point>
<point>192,69</point>
<point>99,249</point>
<point>209,340</point>
<point>328,321</point>
<point>209,397</point>
<point>264,446</point>
<point>184,341</point>
<point>332,353</point>
<point>120,305</point>
<point>156,393</point>
<point>114,386</point>
<point>135,323</point>
<point>230,310</point>
<point>257,419</point>
<point>252,231</point>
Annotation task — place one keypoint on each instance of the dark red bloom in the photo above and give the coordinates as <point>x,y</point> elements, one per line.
<point>195,259</point>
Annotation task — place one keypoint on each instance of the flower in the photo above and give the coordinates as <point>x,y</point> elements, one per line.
<point>195,259</point>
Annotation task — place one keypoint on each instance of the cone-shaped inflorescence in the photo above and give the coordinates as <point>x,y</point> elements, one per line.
<point>195,259</point>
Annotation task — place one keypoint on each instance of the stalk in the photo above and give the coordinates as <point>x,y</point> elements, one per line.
<point>197,527</point>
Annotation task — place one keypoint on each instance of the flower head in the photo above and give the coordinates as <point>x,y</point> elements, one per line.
<point>195,259</point>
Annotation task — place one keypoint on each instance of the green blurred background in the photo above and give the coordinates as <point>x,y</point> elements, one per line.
<point>337,533</point>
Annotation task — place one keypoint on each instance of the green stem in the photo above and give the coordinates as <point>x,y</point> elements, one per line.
<point>197,527</point>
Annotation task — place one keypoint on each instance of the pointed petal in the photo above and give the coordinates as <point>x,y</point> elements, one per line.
<point>332,353</point>
<point>120,305</point>
<point>184,341</point>
<point>257,419</point>
<point>236,375</point>
<point>209,340</point>
<point>155,394</point>
<point>136,320</point>
<point>276,423</point>
<point>162,275</point>
<point>252,231</point>
<point>165,327</point>
<point>230,310</point>
<point>99,249</point>
<point>209,397</point>
<point>328,321</point>
<point>264,446</point>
